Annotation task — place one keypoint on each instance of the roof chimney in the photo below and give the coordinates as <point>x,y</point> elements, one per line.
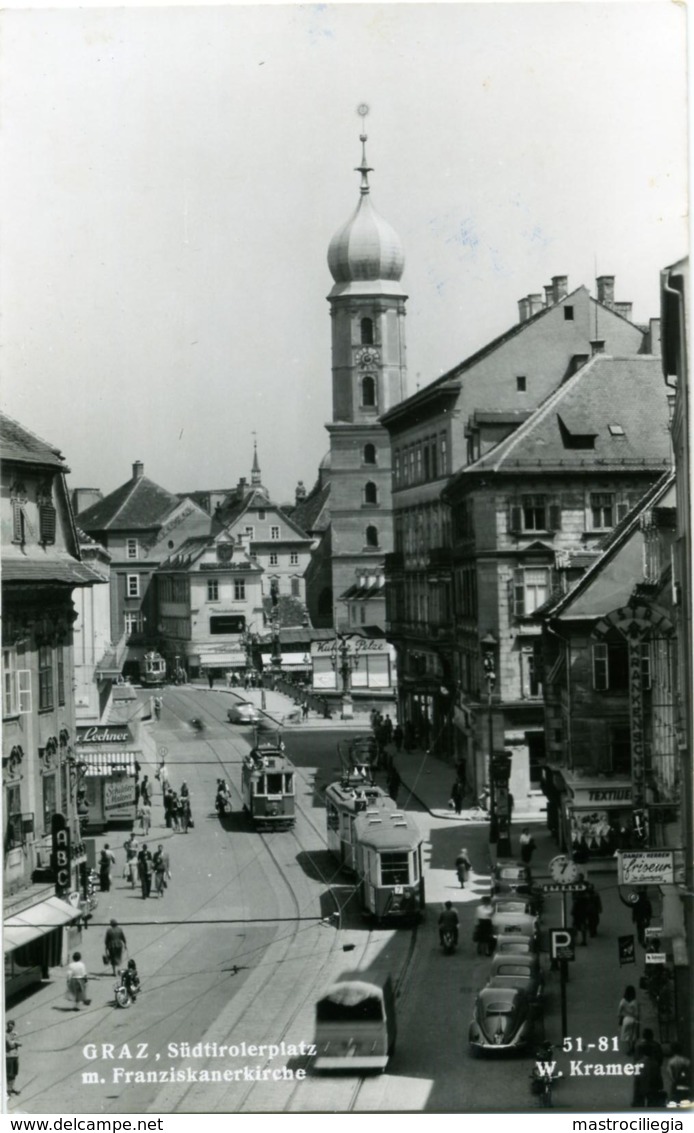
<point>138,470</point>
<point>605,286</point>
<point>522,310</point>
<point>534,304</point>
<point>549,295</point>
<point>623,309</point>
<point>654,337</point>
<point>560,286</point>
<point>597,346</point>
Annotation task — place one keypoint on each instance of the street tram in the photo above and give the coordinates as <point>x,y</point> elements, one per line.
<point>344,801</point>
<point>388,859</point>
<point>152,670</point>
<point>267,786</point>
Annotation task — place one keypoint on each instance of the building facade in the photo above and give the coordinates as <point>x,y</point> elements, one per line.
<point>139,524</point>
<point>441,429</point>
<point>210,600</point>
<point>41,569</point>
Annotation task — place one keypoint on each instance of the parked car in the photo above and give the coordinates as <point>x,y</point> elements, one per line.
<point>511,877</point>
<point>503,1020</point>
<point>512,904</point>
<point>522,972</point>
<point>514,924</point>
<point>512,945</point>
<point>243,713</point>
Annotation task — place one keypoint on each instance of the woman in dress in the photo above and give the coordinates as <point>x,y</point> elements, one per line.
<point>12,1045</point>
<point>628,1018</point>
<point>77,981</point>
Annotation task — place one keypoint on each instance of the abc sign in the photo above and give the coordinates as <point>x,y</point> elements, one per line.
<point>61,852</point>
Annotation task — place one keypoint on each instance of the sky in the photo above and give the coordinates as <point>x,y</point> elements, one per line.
<point>172,178</point>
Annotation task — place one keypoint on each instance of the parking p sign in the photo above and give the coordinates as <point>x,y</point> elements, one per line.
<point>561,944</point>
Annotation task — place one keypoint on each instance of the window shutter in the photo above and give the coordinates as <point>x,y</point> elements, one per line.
<point>515,517</point>
<point>24,691</point>
<point>600,672</point>
<point>518,593</point>
<point>47,523</point>
<point>555,516</point>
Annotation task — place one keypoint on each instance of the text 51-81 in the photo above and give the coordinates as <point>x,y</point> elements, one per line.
<point>603,1043</point>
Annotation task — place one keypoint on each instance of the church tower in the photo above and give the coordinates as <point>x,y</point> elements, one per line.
<point>367,308</point>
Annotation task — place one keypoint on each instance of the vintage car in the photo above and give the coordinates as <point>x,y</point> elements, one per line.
<point>514,924</point>
<point>511,877</point>
<point>513,945</point>
<point>243,713</point>
<point>522,972</point>
<point>513,904</point>
<point>503,1020</point>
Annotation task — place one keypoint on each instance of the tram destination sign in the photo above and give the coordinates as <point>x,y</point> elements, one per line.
<point>646,867</point>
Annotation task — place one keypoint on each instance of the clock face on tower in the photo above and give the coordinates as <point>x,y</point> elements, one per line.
<point>368,357</point>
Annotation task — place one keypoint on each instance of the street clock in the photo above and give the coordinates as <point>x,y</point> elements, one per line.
<point>563,870</point>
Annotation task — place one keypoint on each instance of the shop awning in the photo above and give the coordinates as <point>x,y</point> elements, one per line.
<point>223,660</point>
<point>290,660</point>
<point>36,921</point>
<point>105,762</point>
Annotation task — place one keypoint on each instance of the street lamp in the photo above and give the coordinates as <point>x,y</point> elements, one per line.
<point>489,644</point>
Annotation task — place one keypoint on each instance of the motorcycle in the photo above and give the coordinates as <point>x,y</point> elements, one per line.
<point>448,941</point>
<point>126,988</point>
<point>197,724</point>
<point>544,1075</point>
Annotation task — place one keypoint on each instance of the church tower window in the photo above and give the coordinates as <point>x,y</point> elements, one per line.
<point>370,493</point>
<point>369,454</point>
<point>371,536</point>
<point>368,391</point>
<point>367,332</point>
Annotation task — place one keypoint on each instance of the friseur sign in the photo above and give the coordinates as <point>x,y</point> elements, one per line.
<point>646,867</point>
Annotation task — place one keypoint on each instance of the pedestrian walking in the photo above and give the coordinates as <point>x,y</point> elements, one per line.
<point>579,916</point>
<point>210,678</point>
<point>677,1075</point>
<point>648,1084</point>
<point>162,871</point>
<point>144,869</point>
<point>186,815</point>
<point>115,945</point>
<point>304,710</point>
<point>628,1014</point>
<point>77,982</point>
<point>527,845</point>
<point>175,811</point>
<point>641,915</point>
<point>457,796</point>
<point>12,1045</point>
<point>157,707</point>
<point>144,816</point>
<point>168,799</point>
<point>398,737</point>
<point>146,791</point>
<point>107,859</point>
<point>130,866</point>
<point>162,774</point>
<point>593,909</point>
<point>394,782</point>
<point>463,867</point>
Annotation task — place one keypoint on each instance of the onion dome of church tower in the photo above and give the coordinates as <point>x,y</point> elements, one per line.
<point>366,249</point>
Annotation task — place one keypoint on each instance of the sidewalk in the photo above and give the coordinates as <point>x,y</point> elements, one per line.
<point>284,711</point>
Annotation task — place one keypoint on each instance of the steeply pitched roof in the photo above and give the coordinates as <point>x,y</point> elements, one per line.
<point>609,547</point>
<point>18,443</point>
<point>139,504</point>
<point>616,407</point>
<point>65,570</point>
<point>312,514</point>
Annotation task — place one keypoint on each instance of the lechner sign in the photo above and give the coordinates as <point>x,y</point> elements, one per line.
<point>646,867</point>
<point>104,734</point>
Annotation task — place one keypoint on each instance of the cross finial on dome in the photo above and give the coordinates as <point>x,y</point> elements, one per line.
<point>364,169</point>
